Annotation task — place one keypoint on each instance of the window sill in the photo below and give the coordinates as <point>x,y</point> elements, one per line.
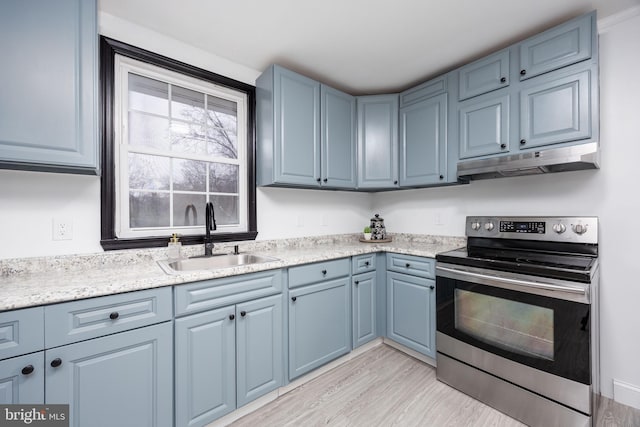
<point>156,242</point>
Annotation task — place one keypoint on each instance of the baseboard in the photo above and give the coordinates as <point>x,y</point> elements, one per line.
<point>627,394</point>
<point>421,357</point>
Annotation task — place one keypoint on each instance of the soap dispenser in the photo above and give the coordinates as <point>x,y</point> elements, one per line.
<point>173,250</point>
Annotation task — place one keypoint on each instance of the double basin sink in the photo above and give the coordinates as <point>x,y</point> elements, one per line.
<point>213,262</point>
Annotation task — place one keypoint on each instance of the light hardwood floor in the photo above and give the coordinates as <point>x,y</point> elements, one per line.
<point>385,387</point>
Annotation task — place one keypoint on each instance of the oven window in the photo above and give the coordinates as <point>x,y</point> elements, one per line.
<point>511,325</point>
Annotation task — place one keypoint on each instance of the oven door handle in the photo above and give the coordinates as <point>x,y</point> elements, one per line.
<point>516,284</point>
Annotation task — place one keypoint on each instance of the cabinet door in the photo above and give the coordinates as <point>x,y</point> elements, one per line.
<point>259,347</point>
<point>363,300</point>
<point>484,125</point>
<point>297,128</point>
<point>319,325</point>
<point>378,141</point>
<point>123,379</point>
<point>48,82</point>
<point>558,47</point>
<point>338,153</point>
<point>205,366</point>
<point>484,75</point>
<point>423,142</point>
<point>22,380</point>
<point>556,111</point>
<point>411,312</point>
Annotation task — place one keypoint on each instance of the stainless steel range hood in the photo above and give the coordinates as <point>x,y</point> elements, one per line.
<point>577,157</point>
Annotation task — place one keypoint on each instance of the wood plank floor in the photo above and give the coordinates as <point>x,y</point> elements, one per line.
<point>382,387</point>
<point>385,387</point>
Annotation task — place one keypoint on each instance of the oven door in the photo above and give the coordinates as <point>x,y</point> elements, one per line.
<point>545,326</point>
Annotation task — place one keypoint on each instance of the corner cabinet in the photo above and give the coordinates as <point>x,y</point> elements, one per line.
<point>423,135</point>
<point>48,81</point>
<point>305,132</point>
<point>378,141</point>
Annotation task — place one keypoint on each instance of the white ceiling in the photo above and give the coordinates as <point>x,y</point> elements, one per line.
<point>359,46</point>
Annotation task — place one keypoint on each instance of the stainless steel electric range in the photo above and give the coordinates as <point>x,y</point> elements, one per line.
<point>517,317</point>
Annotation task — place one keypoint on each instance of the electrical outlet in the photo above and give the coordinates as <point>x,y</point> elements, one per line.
<point>62,229</point>
<point>324,221</point>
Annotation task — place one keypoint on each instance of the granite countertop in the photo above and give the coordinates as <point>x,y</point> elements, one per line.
<point>31,282</point>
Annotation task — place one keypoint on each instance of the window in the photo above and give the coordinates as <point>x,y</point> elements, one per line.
<point>175,137</point>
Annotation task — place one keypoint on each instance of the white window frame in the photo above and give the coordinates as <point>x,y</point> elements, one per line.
<point>125,65</point>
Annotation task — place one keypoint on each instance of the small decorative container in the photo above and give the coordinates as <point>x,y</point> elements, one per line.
<point>378,231</point>
<point>174,247</point>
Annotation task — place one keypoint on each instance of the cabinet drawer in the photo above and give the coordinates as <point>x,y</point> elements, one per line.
<point>363,263</point>
<point>80,320</point>
<point>409,264</point>
<point>319,271</point>
<point>21,331</point>
<point>208,294</point>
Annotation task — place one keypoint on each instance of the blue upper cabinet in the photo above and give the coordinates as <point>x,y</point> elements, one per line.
<point>558,47</point>
<point>338,135</point>
<point>484,125</point>
<point>48,106</point>
<point>288,115</point>
<point>484,75</point>
<point>306,132</point>
<point>378,141</point>
<point>423,140</point>
<point>550,98</point>
<point>555,111</point>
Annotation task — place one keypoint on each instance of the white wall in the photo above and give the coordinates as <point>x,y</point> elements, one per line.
<point>610,193</point>
<point>29,201</point>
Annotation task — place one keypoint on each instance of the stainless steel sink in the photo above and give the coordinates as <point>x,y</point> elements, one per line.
<point>213,262</point>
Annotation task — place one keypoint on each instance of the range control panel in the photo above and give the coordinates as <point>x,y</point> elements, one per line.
<point>555,229</point>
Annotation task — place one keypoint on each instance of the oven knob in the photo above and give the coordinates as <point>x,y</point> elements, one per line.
<point>488,226</point>
<point>579,228</point>
<point>559,228</point>
<point>475,226</point>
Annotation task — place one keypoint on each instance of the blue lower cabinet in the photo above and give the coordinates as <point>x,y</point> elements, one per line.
<point>22,379</point>
<point>205,363</point>
<point>411,312</point>
<point>319,324</point>
<point>363,300</point>
<point>225,358</point>
<point>125,379</point>
<point>259,348</point>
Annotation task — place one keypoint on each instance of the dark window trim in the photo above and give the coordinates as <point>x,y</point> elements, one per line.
<point>108,50</point>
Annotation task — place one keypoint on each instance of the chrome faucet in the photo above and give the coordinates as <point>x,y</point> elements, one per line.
<point>210,219</point>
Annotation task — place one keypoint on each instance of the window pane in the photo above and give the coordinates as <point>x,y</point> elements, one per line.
<point>148,95</point>
<point>222,143</point>
<point>222,122</point>
<point>189,175</point>
<point>148,131</point>
<point>226,210</point>
<point>223,178</point>
<point>148,209</point>
<point>188,209</point>
<point>187,104</point>
<point>186,139</point>
<point>148,172</point>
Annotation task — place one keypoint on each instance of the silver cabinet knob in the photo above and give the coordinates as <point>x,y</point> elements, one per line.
<point>579,228</point>
<point>559,228</point>
<point>475,226</point>
<point>488,226</point>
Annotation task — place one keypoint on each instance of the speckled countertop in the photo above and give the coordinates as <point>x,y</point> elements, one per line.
<point>27,282</point>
